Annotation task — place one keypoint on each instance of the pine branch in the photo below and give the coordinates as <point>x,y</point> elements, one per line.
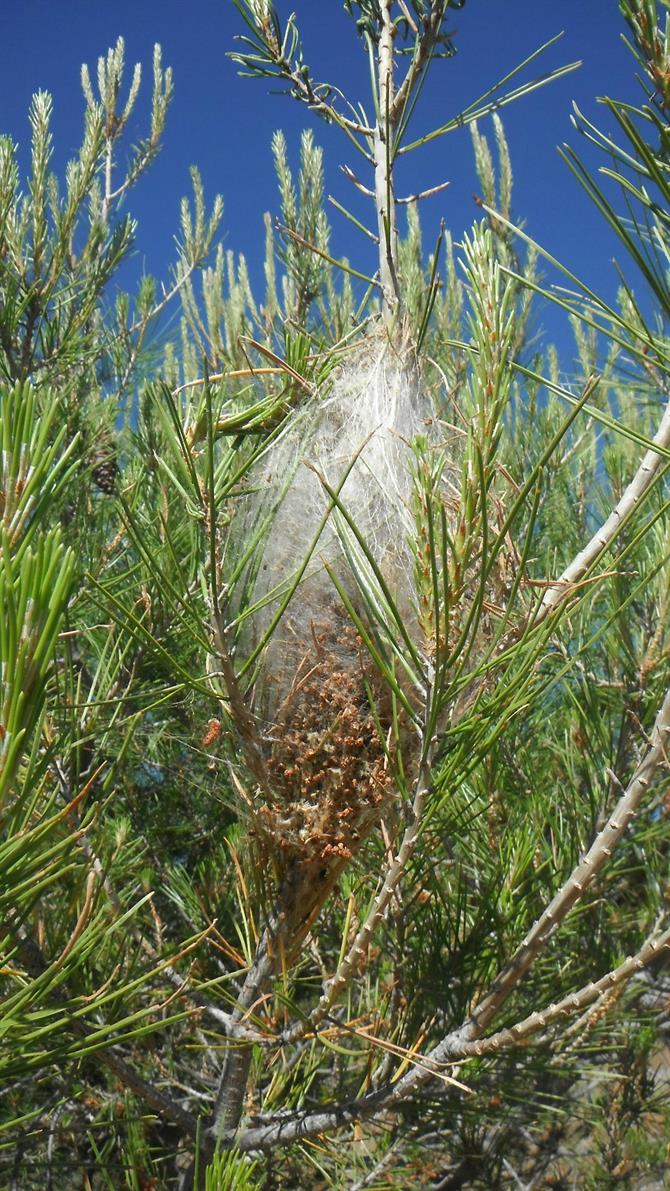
<point>653,949</point>
<point>288,1128</point>
<point>569,895</point>
<point>641,483</point>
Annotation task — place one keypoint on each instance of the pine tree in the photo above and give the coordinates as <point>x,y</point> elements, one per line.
<point>334,689</point>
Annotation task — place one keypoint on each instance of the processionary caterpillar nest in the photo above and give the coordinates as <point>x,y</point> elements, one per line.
<point>320,702</point>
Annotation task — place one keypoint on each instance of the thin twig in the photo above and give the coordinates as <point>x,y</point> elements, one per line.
<point>349,173</point>
<point>420,59</point>
<point>422,194</point>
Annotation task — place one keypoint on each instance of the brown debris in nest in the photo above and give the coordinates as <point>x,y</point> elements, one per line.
<point>327,764</point>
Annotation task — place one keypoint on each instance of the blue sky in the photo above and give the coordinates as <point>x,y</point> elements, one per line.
<point>224,123</point>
